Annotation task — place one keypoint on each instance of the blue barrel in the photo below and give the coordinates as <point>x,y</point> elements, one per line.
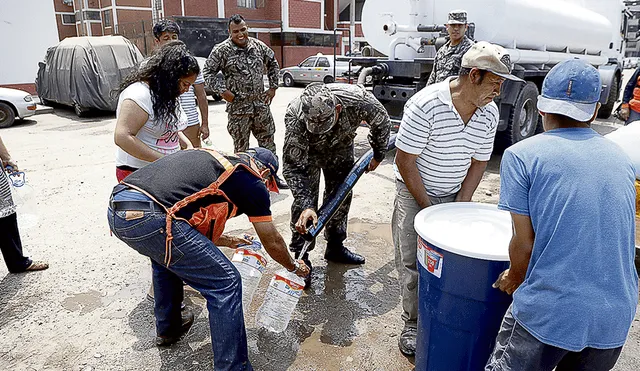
<point>462,249</point>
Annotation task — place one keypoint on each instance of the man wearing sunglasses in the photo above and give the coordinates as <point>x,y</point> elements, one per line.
<point>174,211</point>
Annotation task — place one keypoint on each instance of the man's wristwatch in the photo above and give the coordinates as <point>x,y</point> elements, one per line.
<point>296,266</point>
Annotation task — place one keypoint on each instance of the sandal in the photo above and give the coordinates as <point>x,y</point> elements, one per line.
<point>37,266</point>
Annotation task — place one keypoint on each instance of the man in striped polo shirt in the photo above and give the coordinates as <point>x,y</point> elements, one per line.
<point>444,143</point>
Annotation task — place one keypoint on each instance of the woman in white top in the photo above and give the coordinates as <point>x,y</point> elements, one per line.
<point>149,118</point>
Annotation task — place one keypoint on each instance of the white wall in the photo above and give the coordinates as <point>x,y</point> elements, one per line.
<point>27,29</point>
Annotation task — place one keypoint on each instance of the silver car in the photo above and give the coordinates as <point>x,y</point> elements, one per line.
<point>15,104</point>
<point>317,68</point>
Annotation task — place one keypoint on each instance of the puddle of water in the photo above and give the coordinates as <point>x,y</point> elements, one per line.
<point>325,356</point>
<point>84,302</point>
<point>372,230</point>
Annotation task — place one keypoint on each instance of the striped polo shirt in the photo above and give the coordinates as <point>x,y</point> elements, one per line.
<point>432,129</point>
<point>189,105</point>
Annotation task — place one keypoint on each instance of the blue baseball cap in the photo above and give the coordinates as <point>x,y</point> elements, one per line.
<point>270,161</point>
<point>572,88</point>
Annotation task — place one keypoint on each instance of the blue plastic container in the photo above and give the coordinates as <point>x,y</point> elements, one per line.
<point>462,249</point>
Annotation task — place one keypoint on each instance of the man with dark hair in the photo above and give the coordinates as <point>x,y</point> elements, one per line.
<point>444,143</point>
<point>449,57</point>
<point>243,60</point>
<point>165,31</point>
<point>571,196</point>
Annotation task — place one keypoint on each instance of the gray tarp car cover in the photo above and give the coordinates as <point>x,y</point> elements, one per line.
<point>84,71</point>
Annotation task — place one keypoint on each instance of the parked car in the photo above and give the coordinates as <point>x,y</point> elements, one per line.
<point>84,72</point>
<point>317,68</point>
<point>219,80</point>
<point>15,104</point>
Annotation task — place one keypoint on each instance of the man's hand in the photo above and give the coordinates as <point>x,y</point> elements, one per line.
<point>232,241</point>
<point>228,96</point>
<point>302,270</point>
<point>11,163</point>
<point>204,130</point>
<point>624,113</point>
<point>305,217</point>
<point>507,283</point>
<point>269,94</point>
<point>373,164</point>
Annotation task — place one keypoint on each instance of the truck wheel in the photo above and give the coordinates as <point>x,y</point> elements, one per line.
<point>328,79</point>
<point>524,121</point>
<point>287,79</point>
<point>607,108</point>
<point>7,116</point>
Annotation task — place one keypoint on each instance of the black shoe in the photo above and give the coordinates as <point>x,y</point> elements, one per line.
<point>187,321</point>
<point>305,259</point>
<point>341,254</point>
<point>281,183</point>
<point>407,341</point>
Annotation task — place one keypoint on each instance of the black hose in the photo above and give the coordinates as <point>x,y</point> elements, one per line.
<point>337,197</point>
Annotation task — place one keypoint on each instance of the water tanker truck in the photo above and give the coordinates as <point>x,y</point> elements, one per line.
<point>537,34</point>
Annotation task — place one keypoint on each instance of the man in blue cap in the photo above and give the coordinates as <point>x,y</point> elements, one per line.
<point>571,196</point>
<point>174,211</point>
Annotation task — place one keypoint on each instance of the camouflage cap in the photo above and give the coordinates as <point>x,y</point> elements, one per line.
<point>318,108</point>
<point>457,17</point>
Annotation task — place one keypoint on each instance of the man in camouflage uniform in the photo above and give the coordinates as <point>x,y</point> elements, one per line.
<point>320,127</point>
<point>243,60</point>
<point>449,57</point>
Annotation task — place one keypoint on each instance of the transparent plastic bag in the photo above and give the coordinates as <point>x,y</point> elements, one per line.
<point>24,198</point>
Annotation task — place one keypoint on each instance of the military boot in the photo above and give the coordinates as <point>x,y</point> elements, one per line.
<point>340,254</point>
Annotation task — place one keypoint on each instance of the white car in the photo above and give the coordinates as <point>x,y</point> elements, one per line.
<point>15,104</point>
<point>317,68</point>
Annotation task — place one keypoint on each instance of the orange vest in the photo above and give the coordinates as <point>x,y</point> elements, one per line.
<point>209,220</point>
<point>634,103</point>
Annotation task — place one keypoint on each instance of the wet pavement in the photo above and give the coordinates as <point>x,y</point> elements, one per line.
<point>89,311</point>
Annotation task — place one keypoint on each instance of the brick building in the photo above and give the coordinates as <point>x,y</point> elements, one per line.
<point>295,29</point>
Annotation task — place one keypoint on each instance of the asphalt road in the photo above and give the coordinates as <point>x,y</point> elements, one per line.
<point>89,312</point>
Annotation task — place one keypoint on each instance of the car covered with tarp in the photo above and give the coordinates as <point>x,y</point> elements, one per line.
<point>85,72</point>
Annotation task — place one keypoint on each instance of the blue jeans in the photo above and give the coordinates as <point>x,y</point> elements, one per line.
<point>516,349</point>
<point>633,116</point>
<point>196,261</point>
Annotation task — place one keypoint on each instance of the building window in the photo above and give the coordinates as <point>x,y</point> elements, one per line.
<point>301,39</point>
<point>252,4</point>
<point>106,18</point>
<point>91,15</point>
<point>68,19</point>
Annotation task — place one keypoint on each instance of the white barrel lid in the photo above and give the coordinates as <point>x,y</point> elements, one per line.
<point>469,229</point>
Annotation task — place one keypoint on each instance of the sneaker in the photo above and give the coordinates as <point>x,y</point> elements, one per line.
<point>407,341</point>
<point>187,321</point>
<point>343,255</point>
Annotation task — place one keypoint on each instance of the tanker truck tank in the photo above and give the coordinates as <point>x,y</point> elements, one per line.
<point>536,33</point>
<point>541,25</point>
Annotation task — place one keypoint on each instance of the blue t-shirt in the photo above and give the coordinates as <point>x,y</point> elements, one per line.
<point>581,287</point>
